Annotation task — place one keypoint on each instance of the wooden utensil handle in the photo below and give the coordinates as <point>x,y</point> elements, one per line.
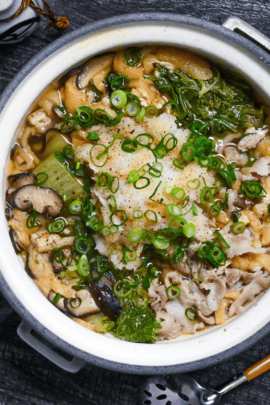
<point>258,368</point>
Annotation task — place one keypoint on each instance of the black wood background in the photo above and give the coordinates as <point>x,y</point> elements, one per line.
<point>27,378</point>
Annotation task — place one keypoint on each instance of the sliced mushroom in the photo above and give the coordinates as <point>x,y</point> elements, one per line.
<point>37,143</point>
<point>15,242</point>
<point>60,304</point>
<point>105,299</point>
<point>67,258</point>
<point>45,201</point>
<point>96,69</point>
<point>83,305</point>
<point>21,179</point>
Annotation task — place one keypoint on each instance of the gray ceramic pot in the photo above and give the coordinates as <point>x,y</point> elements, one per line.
<point>219,44</point>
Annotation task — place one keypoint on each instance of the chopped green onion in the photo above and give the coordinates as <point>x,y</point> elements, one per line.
<point>213,254</point>
<point>56,226</point>
<point>85,116</point>
<point>93,136</point>
<point>119,82</point>
<point>41,178</point>
<point>144,139</point>
<point>189,230</point>
<point>224,178</point>
<point>206,196</point>
<point>216,163</point>
<point>194,210</point>
<point>173,210</point>
<point>160,242</point>
<point>119,99</point>
<point>119,217</point>
<point>215,210</point>
<point>76,207</point>
<point>129,146</point>
<point>82,245</point>
<point>129,255</point>
<point>178,256</point>
<point>69,124</point>
<point>222,240</point>
<point>143,182</point>
<point>137,214</point>
<point>188,152</point>
<point>77,302</point>
<point>31,221</point>
<point>193,184</point>
<point>140,116</point>
<point>83,266</point>
<point>120,293</point>
<point>133,176</point>
<point>151,111</point>
<point>68,152</point>
<point>102,116</point>
<point>154,193</point>
<point>113,229</point>
<point>151,216</point>
<point>252,189</point>
<point>178,193</point>
<point>239,227</point>
<point>79,228</point>
<point>173,292</point>
<point>113,207</point>
<point>235,216</point>
<point>178,163</point>
<point>133,56</point>
<point>132,108</point>
<point>191,314</point>
<point>226,202</point>
<point>231,172</point>
<point>56,299</point>
<point>135,235</point>
<point>105,230</point>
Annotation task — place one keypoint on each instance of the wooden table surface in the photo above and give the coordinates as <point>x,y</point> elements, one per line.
<point>27,378</point>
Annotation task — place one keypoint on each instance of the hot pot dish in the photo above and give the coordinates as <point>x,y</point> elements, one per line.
<point>139,194</point>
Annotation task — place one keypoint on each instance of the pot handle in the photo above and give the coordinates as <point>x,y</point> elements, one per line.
<point>25,332</point>
<point>243,28</point>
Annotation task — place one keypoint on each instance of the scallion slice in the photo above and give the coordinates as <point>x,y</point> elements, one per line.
<point>191,314</point>
<point>75,302</point>
<point>75,207</point>
<point>178,193</point>
<point>41,178</point>
<point>206,196</point>
<point>140,116</point>
<point>119,99</point>
<point>82,245</point>
<point>151,216</point>
<point>57,226</point>
<point>118,217</point>
<point>144,139</point>
<point>151,111</point>
<point>93,136</point>
<point>132,108</point>
<point>222,240</point>
<point>160,242</point>
<point>56,299</point>
<point>137,214</point>
<point>129,146</point>
<point>215,210</point>
<point>189,230</point>
<point>133,176</point>
<point>193,184</point>
<point>31,221</point>
<point>143,182</point>
<point>135,235</point>
<point>173,292</point>
<point>173,210</point>
<point>238,227</point>
<point>83,266</point>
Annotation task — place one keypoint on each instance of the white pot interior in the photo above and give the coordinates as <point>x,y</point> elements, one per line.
<point>183,350</point>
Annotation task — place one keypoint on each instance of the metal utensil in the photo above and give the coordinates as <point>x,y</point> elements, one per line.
<point>183,390</point>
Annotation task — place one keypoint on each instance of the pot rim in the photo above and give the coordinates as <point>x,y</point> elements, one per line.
<point>260,55</point>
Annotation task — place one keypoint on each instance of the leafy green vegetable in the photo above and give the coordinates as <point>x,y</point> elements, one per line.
<point>102,323</point>
<point>220,104</point>
<point>137,323</point>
